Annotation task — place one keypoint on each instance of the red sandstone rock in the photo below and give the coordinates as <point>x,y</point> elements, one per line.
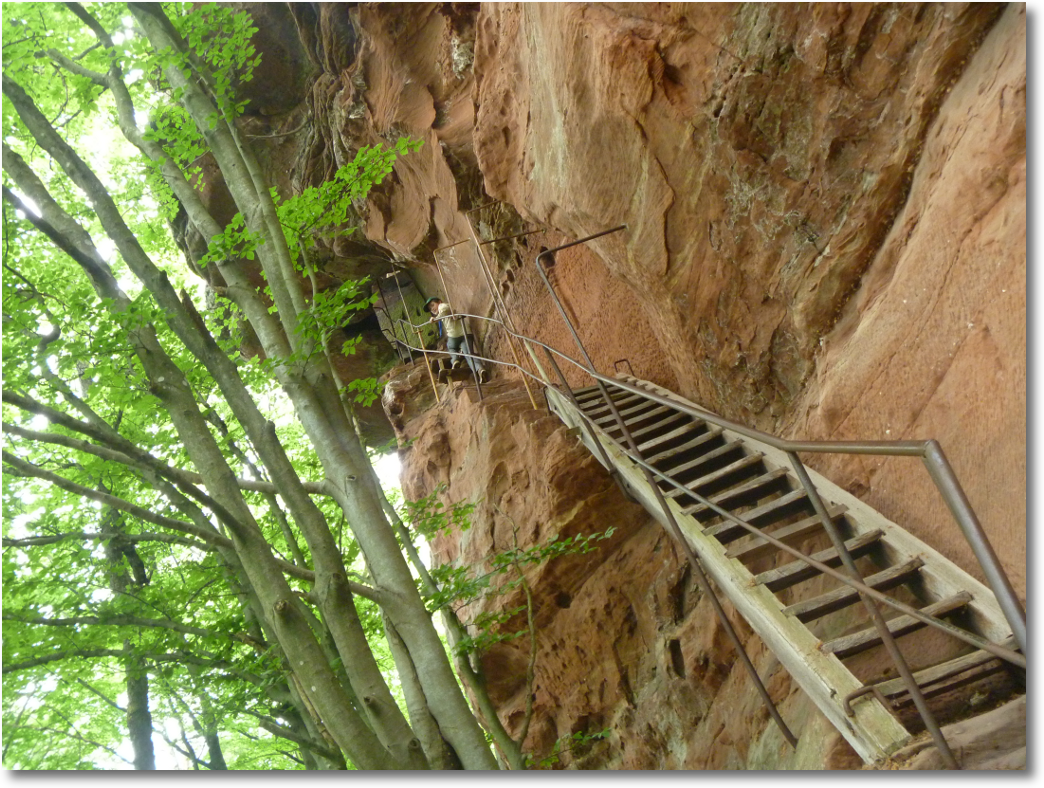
<point>789,180</point>
<point>826,239</point>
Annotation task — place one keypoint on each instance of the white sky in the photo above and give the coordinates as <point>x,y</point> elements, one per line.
<point>388,468</point>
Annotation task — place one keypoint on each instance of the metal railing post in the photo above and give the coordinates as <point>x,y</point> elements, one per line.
<point>497,304</point>
<point>875,615</point>
<point>670,521</point>
<point>952,492</point>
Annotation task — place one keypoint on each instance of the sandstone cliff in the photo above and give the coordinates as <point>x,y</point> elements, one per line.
<point>825,210</point>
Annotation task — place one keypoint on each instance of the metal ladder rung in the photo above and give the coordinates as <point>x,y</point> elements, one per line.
<point>797,571</point>
<point>817,607</point>
<point>858,642</point>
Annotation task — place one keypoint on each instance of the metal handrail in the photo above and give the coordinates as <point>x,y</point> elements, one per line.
<point>852,579</point>
<point>929,450</point>
<point>931,453</point>
<point>672,525</point>
<point>939,470</point>
<point>971,639</point>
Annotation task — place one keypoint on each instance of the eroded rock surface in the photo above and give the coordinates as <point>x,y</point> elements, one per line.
<point>825,210</point>
<point>829,245</point>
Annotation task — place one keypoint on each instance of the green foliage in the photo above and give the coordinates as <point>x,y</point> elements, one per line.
<point>175,132</point>
<point>580,544</point>
<point>221,40</point>
<point>429,517</point>
<point>366,390</point>
<point>320,211</point>
<point>325,209</point>
<point>69,594</point>
<point>463,585</point>
<point>577,742</point>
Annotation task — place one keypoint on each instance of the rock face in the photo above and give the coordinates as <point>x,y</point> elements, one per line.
<point>825,210</point>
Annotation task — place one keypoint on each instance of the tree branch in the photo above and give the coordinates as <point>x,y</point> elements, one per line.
<point>119,653</point>
<point>33,541</point>
<point>28,469</point>
<point>101,695</point>
<point>76,68</point>
<point>177,475</point>
<point>77,737</point>
<point>60,655</point>
<point>13,165</point>
<point>276,729</point>
<point>118,621</point>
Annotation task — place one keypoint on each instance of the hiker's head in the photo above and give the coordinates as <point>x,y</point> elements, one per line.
<point>432,304</point>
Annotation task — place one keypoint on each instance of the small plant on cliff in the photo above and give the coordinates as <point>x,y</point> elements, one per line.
<point>576,744</point>
<point>460,586</point>
<point>455,587</point>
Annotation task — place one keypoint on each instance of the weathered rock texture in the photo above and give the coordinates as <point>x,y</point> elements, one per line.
<point>825,210</point>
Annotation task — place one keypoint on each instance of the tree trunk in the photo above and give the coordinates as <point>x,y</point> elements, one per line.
<point>139,718</point>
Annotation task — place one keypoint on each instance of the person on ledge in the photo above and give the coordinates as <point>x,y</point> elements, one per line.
<point>456,339</point>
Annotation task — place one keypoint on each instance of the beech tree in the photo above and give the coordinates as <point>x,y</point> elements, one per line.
<point>192,535</point>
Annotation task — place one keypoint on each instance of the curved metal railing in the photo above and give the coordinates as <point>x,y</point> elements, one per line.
<point>930,451</point>
<point>905,448</point>
<point>877,448</point>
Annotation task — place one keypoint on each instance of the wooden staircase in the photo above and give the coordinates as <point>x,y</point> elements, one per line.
<point>813,622</point>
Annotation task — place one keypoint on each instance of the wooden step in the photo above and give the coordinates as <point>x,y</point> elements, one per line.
<point>797,571</point>
<point>703,439</point>
<point>817,607</point>
<point>585,394</point>
<point>598,407</point>
<point>713,460</point>
<point>728,475</point>
<point>633,415</point>
<point>944,676</point>
<point>741,495</point>
<point>790,535</point>
<point>857,642</point>
<point>664,424</point>
<point>590,394</point>
<point>661,441</point>
<point>770,512</point>
<point>874,732</point>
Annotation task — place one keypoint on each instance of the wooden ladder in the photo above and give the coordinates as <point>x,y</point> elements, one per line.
<point>811,621</point>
